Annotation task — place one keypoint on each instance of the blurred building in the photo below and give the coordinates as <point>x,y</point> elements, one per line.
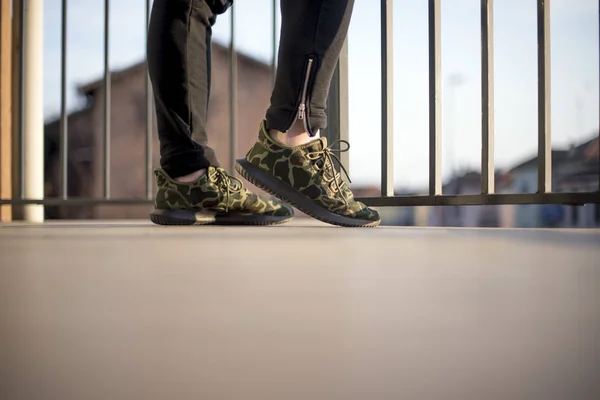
<point>391,216</point>
<point>468,182</point>
<point>128,134</point>
<point>573,170</point>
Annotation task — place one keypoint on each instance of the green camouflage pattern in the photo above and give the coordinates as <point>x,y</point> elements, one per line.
<point>309,169</point>
<point>215,191</point>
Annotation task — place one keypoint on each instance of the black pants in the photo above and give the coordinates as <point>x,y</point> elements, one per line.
<point>179,65</point>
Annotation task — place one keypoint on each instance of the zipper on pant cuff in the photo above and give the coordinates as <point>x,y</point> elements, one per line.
<point>303,111</point>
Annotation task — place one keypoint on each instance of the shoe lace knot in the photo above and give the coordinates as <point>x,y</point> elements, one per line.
<point>327,157</point>
<point>228,183</point>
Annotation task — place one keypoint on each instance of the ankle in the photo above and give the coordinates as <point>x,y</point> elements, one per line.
<point>296,136</point>
<point>194,176</point>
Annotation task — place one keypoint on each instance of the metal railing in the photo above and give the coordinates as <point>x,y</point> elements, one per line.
<point>22,26</point>
<point>337,106</point>
<point>436,197</point>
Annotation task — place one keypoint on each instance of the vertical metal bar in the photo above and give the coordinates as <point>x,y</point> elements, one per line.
<point>274,41</point>
<point>598,205</point>
<point>333,110</point>
<point>387,98</point>
<point>233,72</point>
<point>435,98</point>
<point>17,20</point>
<point>6,117</point>
<point>107,98</point>
<point>344,102</point>
<point>487,97</point>
<point>544,129</point>
<point>17,49</point>
<point>64,130</point>
<point>337,106</point>
<point>149,118</point>
<point>21,89</point>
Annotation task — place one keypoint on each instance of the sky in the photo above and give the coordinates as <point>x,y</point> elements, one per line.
<point>574,73</point>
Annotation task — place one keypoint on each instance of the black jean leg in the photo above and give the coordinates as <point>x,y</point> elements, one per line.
<point>179,66</point>
<point>312,35</point>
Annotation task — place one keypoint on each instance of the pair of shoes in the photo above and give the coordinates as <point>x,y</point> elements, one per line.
<point>304,176</point>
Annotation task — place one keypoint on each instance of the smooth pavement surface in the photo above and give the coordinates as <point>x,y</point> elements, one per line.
<point>127,310</point>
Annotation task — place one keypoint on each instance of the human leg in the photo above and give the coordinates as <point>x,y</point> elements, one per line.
<point>179,66</point>
<point>192,188</point>
<point>290,160</point>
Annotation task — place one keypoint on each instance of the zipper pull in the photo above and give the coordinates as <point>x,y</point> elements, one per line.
<point>301,111</point>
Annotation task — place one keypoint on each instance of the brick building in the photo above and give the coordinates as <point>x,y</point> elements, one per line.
<point>128,134</point>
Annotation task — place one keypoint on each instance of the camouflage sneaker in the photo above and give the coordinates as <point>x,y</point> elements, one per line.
<point>305,177</point>
<point>216,198</point>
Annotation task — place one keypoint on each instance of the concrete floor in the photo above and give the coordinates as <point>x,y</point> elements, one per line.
<point>305,311</point>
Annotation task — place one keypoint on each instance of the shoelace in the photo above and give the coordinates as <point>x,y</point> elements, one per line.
<point>328,155</point>
<point>223,179</point>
